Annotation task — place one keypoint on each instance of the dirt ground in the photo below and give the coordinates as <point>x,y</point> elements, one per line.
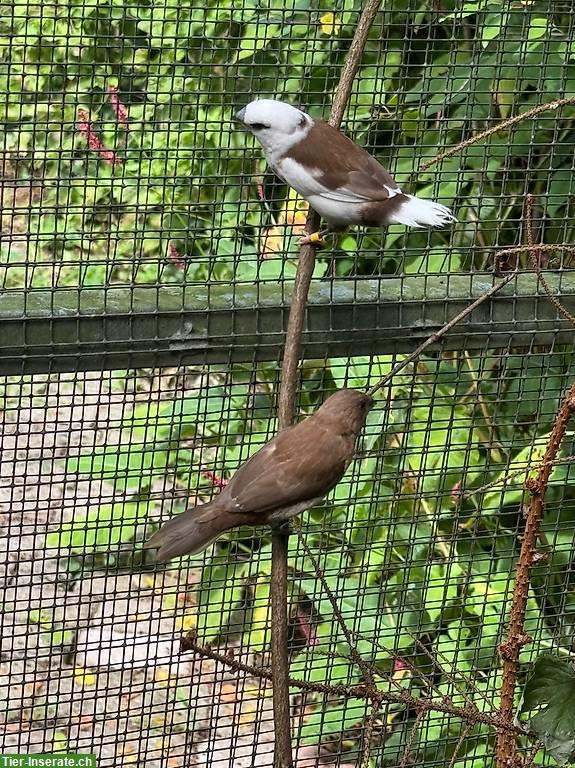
<point>94,664</point>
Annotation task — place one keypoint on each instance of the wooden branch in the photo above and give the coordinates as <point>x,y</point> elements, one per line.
<point>435,337</point>
<point>516,636</point>
<point>286,415</point>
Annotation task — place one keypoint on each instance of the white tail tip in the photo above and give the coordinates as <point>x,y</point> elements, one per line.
<point>416,212</point>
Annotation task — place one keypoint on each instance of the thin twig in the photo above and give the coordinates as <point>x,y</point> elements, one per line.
<point>368,734</point>
<point>501,126</point>
<point>414,475</point>
<point>352,62</point>
<point>421,715</point>
<point>435,337</point>
<point>530,759</point>
<point>286,414</point>
<point>503,481</point>
<point>460,741</point>
<point>436,538</point>
<point>534,254</point>
<point>494,446</point>
<point>515,250</point>
<point>516,636</point>
<point>440,662</point>
<point>444,705</point>
<point>354,654</point>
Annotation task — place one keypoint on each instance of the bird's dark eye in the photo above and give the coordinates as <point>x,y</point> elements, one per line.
<point>258,126</point>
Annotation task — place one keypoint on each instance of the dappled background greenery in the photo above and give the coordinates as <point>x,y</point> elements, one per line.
<point>419,556</point>
<point>185,176</point>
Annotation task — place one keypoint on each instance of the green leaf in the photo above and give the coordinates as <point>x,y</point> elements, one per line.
<point>104,527</point>
<point>258,634</point>
<point>222,591</point>
<point>494,24</point>
<point>470,8</point>
<point>126,466</point>
<point>550,690</point>
<point>314,666</point>
<point>509,488</point>
<point>333,720</point>
<point>537,28</point>
<point>359,372</point>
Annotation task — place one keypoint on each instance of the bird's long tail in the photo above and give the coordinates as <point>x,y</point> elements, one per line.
<point>192,531</point>
<point>417,212</point>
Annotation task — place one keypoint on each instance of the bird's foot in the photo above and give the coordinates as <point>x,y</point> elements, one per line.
<point>316,239</point>
<point>283,526</point>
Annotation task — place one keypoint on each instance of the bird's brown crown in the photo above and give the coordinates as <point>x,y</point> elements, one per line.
<point>349,407</point>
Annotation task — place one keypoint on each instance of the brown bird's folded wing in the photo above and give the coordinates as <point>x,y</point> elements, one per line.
<point>298,466</point>
<point>351,174</point>
<point>302,463</point>
<point>285,477</point>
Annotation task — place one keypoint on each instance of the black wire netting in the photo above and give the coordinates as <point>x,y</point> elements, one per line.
<point>147,262</point>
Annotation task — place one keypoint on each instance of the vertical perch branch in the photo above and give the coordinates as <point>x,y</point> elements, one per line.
<point>286,415</point>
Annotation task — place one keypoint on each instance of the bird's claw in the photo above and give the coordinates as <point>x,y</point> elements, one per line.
<point>316,239</point>
<point>282,526</point>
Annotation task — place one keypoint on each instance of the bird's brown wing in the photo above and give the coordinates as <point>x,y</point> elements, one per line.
<point>301,463</point>
<point>348,172</point>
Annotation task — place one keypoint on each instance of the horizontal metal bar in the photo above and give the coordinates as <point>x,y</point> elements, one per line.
<point>119,327</point>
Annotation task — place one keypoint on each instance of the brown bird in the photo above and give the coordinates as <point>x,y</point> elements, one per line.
<point>291,473</point>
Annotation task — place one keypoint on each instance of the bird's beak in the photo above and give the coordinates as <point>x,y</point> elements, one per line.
<point>241,115</point>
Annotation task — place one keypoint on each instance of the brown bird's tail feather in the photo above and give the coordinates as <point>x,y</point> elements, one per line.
<point>192,531</point>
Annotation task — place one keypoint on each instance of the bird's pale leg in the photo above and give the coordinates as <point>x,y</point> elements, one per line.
<point>316,238</point>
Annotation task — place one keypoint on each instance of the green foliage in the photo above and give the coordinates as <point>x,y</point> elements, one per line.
<point>51,633</point>
<point>550,693</point>
<point>418,558</point>
<point>182,71</point>
<point>106,526</point>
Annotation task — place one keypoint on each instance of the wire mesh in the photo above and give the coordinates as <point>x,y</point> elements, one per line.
<point>122,169</point>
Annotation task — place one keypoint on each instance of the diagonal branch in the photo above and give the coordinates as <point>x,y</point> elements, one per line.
<point>506,755</point>
<point>501,126</point>
<point>530,248</point>
<point>435,337</point>
<point>535,258</point>
<point>516,637</point>
<point>468,713</point>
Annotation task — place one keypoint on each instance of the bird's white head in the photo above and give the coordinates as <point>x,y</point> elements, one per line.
<point>276,125</point>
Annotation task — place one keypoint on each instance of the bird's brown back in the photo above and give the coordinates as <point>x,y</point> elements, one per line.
<point>304,461</point>
<point>344,163</point>
<point>291,472</point>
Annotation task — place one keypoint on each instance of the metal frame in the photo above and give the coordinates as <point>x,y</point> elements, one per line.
<point>93,329</point>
